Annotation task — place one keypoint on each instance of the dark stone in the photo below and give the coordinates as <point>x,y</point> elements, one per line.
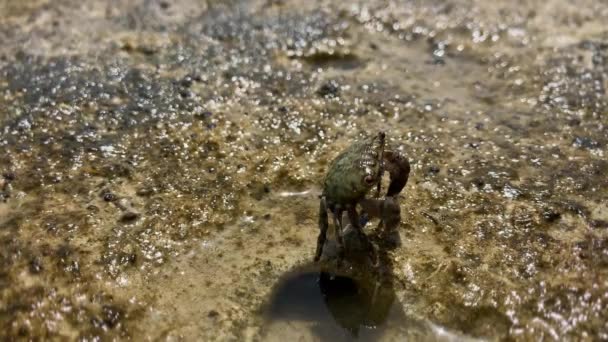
<point>145,191</point>
<point>550,215</point>
<point>96,322</point>
<point>186,82</point>
<point>433,170</point>
<point>129,216</point>
<point>64,251</point>
<point>585,142</point>
<point>258,190</point>
<point>23,331</point>
<point>128,258</point>
<point>9,176</point>
<point>343,61</point>
<point>598,224</point>
<point>329,89</point>
<point>35,265</point>
<point>204,115</point>
<point>116,170</point>
<point>111,315</point>
<point>73,267</point>
<point>213,314</point>
<point>266,217</point>
<point>437,61</point>
<point>92,208</point>
<point>576,208</point>
<point>108,197</point>
<point>574,122</point>
<point>479,183</point>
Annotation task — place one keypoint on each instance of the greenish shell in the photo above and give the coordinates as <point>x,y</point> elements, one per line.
<point>345,179</point>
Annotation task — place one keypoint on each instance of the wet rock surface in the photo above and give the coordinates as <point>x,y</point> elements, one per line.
<point>161,161</point>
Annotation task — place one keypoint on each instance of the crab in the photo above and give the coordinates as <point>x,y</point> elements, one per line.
<point>351,176</point>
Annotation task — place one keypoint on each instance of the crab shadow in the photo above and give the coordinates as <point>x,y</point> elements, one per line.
<point>352,300</point>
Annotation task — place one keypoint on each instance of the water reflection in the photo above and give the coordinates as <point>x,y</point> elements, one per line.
<point>353,301</point>
<point>338,306</point>
<point>354,305</point>
<point>311,303</point>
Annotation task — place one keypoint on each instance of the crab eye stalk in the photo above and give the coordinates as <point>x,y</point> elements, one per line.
<point>369,179</point>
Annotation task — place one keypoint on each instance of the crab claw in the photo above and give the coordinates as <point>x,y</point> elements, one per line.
<point>399,169</point>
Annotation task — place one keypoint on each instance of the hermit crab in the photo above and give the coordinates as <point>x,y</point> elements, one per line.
<point>351,175</point>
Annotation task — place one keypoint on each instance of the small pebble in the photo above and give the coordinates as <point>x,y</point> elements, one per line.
<point>9,176</point>
<point>585,142</point>
<point>109,197</point>
<point>35,265</point>
<point>145,191</point>
<point>186,82</point>
<point>550,215</point>
<point>129,216</point>
<point>329,89</point>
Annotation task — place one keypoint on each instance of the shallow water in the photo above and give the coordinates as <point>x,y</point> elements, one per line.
<point>339,307</point>
<point>161,164</point>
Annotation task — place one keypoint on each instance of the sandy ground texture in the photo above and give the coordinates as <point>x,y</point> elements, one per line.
<point>161,163</point>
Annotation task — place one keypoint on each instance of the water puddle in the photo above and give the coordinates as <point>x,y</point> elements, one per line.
<point>315,304</point>
<point>334,306</point>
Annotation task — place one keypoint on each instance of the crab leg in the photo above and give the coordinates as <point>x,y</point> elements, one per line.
<point>338,230</point>
<point>323,225</point>
<point>387,210</point>
<point>353,218</point>
<point>399,169</point>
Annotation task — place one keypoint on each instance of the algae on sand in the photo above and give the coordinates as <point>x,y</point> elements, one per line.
<point>214,124</point>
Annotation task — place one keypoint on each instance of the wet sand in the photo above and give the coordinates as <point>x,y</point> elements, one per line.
<point>161,163</point>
